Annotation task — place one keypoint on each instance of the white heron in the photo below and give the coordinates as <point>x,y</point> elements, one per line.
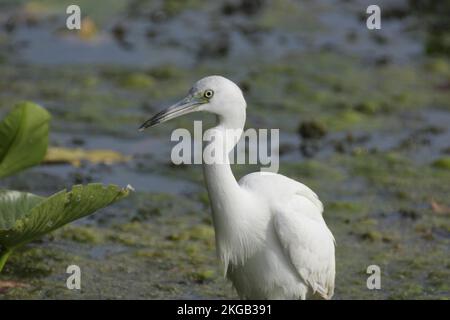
<point>270,233</point>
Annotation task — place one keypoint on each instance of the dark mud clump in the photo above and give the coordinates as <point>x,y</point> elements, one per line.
<point>247,7</point>
<point>311,132</point>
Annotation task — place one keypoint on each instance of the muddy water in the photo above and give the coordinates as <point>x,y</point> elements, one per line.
<point>380,164</point>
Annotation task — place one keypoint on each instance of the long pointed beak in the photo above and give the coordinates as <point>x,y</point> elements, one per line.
<point>185,106</point>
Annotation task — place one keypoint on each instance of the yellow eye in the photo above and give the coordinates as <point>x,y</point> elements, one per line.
<point>208,94</point>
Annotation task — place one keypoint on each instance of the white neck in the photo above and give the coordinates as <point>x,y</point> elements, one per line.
<point>223,189</point>
<point>220,181</point>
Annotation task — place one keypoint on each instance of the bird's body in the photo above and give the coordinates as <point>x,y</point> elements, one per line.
<point>274,242</point>
<point>270,233</point>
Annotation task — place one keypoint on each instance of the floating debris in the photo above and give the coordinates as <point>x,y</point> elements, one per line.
<point>58,155</point>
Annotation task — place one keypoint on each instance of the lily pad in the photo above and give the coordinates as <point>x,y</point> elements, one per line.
<point>23,138</point>
<point>25,217</point>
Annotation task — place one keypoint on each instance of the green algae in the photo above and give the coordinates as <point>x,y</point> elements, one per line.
<point>182,260</point>
<point>161,245</point>
<point>137,81</point>
<point>442,163</point>
<point>81,234</point>
<point>166,236</point>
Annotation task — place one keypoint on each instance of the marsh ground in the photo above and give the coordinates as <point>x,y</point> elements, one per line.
<point>364,119</point>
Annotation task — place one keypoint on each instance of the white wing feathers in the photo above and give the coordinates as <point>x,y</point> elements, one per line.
<point>307,241</point>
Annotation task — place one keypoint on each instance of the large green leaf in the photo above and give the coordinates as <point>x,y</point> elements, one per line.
<point>15,205</point>
<point>23,138</point>
<point>25,217</point>
<point>39,216</point>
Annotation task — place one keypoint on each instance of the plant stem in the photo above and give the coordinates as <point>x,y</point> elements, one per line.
<point>4,254</point>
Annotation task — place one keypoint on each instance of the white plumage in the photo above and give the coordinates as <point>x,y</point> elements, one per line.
<point>270,233</point>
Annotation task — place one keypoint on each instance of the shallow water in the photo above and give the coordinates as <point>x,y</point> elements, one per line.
<point>384,104</point>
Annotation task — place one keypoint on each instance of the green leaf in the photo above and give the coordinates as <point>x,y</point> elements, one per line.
<point>25,217</point>
<point>23,138</point>
<point>14,205</point>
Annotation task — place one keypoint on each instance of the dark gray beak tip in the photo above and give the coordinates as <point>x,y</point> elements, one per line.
<point>149,123</point>
<point>142,127</point>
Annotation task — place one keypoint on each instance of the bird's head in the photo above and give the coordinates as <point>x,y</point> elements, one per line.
<point>214,94</point>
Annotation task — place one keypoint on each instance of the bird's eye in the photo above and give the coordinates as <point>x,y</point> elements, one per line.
<point>208,94</point>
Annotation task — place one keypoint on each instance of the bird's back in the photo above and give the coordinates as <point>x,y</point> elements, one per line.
<point>300,232</point>
<point>278,188</point>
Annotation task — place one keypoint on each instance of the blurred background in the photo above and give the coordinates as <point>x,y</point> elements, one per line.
<point>364,119</point>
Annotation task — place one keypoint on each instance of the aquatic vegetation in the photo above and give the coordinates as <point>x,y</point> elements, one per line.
<point>442,163</point>
<point>25,216</point>
<point>374,109</point>
<point>23,138</point>
<point>137,81</point>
